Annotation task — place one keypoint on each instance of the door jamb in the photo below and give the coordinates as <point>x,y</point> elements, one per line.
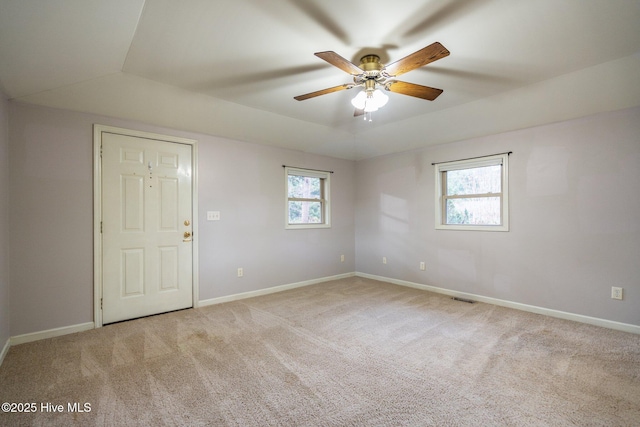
<point>98,130</point>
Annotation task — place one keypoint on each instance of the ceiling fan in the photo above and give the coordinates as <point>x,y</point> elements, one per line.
<point>372,75</point>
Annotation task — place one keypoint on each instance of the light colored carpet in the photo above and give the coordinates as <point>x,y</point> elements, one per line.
<point>353,352</point>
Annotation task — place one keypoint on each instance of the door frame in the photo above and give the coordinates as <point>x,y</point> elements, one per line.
<point>98,130</point>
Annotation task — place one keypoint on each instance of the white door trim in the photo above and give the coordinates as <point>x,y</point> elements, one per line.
<point>98,130</point>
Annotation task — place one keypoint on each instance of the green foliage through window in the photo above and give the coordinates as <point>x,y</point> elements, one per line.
<point>472,194</point>
<point>484,181</point>
<point>306,197</point>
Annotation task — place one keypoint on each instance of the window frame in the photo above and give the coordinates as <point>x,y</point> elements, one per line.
<point>441,197</point>
<point>325,189</point>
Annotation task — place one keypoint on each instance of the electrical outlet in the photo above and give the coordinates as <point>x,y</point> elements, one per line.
<point>616,293</point>
<point>341,258</point>
<point>240,272</point>
<point>422,266</point>
<point>384,259</point>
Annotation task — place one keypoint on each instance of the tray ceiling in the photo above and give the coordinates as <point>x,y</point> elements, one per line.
<point>232,67</point>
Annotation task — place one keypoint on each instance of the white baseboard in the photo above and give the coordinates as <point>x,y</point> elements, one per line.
<point>35,336</point>
<point>50,333</point>
<point>635,329</point>
<point>5,350</point>
<point>626,327</point>
<point>272,290</point>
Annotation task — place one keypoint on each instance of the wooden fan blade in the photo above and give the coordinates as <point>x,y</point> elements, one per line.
<point>428,54</point>
<point>358,112</point>
<point>322,92</point>
<point>411,89</point>
<point>338,61</point>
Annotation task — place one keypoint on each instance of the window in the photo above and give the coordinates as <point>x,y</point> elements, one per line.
<point>307,198</point>
<point>473,194</point>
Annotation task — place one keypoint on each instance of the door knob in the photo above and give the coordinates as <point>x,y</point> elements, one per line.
<point>187,234</point>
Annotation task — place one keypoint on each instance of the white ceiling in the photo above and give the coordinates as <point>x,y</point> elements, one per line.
<point>232,67</point>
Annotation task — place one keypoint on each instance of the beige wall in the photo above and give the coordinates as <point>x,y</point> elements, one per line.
<point>51,197</point>
<point>574,228</point>
<point>574,213</point>
<point>4,221</point>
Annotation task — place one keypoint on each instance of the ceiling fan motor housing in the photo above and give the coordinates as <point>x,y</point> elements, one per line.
<point>371,65</point>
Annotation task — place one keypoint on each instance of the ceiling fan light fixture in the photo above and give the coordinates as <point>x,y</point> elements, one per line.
<point>371,74</point>
<point>360,100</point>
<point>370,100</point>
<point>379,98</point>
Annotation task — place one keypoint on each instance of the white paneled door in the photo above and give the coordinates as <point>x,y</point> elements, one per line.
<point>147,237</point>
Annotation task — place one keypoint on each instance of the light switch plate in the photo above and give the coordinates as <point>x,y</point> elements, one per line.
<point>213,215</point>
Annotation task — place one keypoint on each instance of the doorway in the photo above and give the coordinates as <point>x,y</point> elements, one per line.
<point>145,221</point>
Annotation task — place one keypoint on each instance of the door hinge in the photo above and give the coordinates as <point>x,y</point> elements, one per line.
<point>100,227</point>
<point>100,303</point>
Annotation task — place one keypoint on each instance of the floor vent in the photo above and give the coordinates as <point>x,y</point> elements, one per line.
<point>463,300</point>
